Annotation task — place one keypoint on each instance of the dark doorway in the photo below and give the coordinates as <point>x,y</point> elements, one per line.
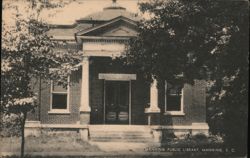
<point>116,102</point>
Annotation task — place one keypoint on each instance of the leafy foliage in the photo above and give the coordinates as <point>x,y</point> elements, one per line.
<point>27,53</point>
<point>187,40</point>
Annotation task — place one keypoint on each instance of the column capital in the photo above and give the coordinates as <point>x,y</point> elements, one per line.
<point>85,109</point>
<point>85,58</point>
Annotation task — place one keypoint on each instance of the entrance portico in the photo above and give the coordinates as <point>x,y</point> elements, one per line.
<point>116,97</point>
<point>117,89</point>
<point>104,93</point>
<point>117,86</point>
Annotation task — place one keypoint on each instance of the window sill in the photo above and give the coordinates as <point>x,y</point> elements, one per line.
<point>175,113</point>
<point>58,111</point>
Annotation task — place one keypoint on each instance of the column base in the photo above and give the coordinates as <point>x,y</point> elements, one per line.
<point>84,118</point>
<point>84,134</point>
<point>152,110</point>
<point>153,118</point>
<point>157,134</point>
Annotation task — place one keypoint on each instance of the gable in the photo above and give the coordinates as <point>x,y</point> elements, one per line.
<point>120,31</point>
<point>119,27</point>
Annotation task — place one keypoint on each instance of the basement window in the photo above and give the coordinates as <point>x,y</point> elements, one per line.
<point>173,99</point>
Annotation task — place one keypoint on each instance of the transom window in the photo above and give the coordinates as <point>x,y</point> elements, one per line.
<point>173,99</point>
<point>59,97</point>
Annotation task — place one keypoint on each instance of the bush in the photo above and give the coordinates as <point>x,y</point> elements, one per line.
<point>197,140</point>
<point>200,136</point>
<point>10,125</point>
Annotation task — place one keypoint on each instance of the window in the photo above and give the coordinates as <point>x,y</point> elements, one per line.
<point>173,99</point>
<point>59,98</point>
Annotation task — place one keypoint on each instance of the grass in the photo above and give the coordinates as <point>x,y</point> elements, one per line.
<point>71,142</point>
<point>47,143</point>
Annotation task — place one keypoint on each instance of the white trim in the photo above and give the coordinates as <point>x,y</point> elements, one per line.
<point>152,110</point>
<point>72,38</point>
<point>103,53</point>
<point>104,102</point>
<point>59,111</point>
<point>192,126</point>
<point>32,124</point>
<point>60,92</point>
<point>80,33</point>
<point>179,113</point>
<point>103,38</point>
<point>37,124</point>
<point>73,68</point>
<point>116,77</point>
<point>63,126</point>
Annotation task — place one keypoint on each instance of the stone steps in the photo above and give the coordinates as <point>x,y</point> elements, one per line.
<point>120,133</point>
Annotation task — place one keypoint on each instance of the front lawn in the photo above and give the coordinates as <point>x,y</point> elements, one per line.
<point>70,143</point>
<point>47,143</point>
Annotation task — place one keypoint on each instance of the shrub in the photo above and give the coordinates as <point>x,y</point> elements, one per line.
<point>10,125</point>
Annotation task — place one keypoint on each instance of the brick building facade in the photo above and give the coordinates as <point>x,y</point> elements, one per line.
<point>102,94</point>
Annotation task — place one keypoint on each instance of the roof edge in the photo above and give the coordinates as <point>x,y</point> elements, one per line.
<point>105,24</point>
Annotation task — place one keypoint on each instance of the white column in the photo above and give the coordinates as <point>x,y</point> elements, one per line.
<point>153,98</point>
<point>84,107</point>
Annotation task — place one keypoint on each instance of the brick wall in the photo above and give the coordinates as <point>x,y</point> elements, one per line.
<point>194,106</point>
<point>74,103</point>
<point>194,99</point>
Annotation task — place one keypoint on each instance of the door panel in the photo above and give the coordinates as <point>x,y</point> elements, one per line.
<point>117,102</point>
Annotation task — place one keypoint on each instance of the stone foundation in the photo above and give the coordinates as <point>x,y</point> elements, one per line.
<point>159,133</point>
<point>35,128</point>
<point>84,134</point>
<point>84,118</point>
<point>200,128</point>
<point>162,132</point>
<point>32,128</point>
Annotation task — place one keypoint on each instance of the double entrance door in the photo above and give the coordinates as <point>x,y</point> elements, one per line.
<point>117,102</point>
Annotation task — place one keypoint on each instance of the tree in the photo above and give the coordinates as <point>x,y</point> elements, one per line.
<point>187,40</point>
<point>28,53</point>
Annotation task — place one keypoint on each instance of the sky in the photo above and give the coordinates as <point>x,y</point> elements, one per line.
<point>72,11</point>
<point>76,11</point>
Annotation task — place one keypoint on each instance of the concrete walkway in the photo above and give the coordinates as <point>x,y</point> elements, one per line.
<point>124,146</point>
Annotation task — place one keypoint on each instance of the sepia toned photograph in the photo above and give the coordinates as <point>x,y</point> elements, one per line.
<point>124,78</point>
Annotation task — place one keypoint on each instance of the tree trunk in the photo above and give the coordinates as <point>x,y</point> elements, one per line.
<point>22,134</point>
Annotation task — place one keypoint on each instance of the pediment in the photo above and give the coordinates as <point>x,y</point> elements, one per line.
<point>119,27</point>
<point>121,31</point>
